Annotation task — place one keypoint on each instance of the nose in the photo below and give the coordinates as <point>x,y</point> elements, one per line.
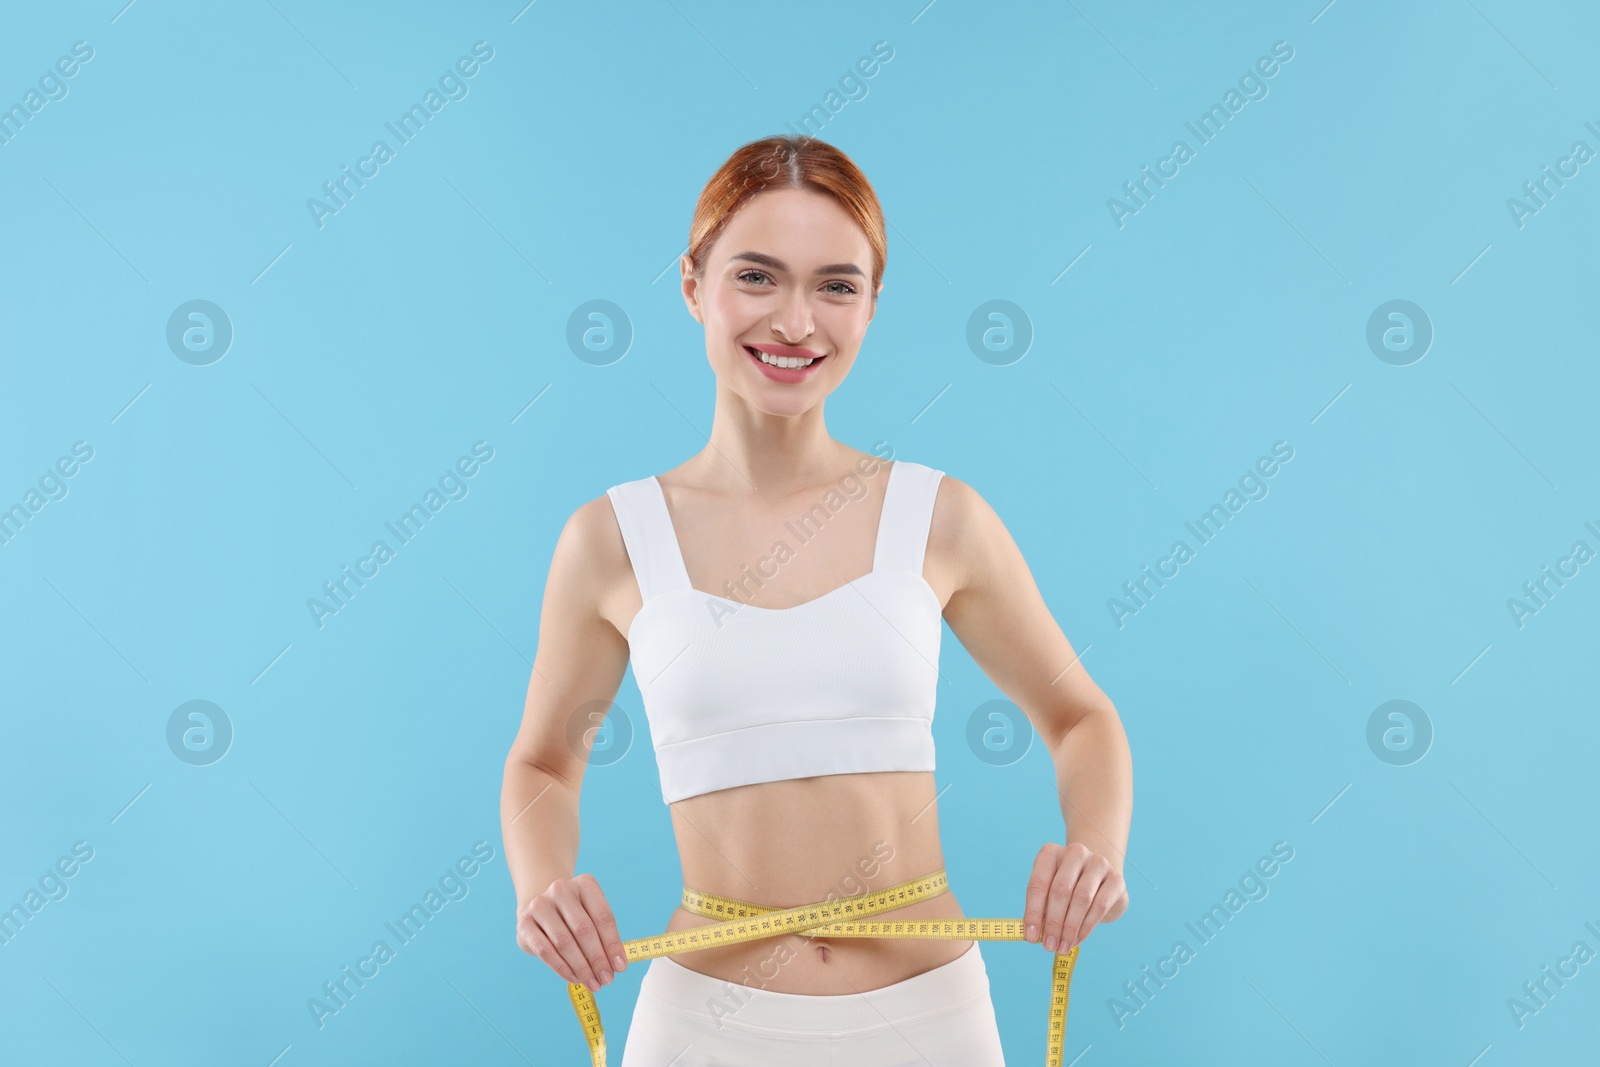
<point>794,323</point>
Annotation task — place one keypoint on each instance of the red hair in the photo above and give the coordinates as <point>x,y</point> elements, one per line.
<point>798,162</point>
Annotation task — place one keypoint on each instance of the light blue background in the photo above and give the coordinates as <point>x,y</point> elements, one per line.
<point>1228,314</point>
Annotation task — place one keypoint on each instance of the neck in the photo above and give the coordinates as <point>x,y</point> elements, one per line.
<point>771,455</point>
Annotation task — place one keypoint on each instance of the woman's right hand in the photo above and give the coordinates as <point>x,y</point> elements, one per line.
<point>570,927</point>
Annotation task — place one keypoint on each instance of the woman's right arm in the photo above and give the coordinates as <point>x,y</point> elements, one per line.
<point>579,663</point>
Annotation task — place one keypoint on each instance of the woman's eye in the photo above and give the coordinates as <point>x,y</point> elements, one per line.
<point>754,276</point>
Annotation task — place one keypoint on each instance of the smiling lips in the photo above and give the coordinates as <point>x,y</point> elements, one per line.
<point>784,363</point>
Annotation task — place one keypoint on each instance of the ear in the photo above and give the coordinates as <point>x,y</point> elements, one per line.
<point>691,287</point>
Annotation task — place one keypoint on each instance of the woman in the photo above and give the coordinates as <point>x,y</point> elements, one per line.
<point>791,711</point>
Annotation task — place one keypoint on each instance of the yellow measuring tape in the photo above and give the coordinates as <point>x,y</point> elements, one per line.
<point>743,921</point>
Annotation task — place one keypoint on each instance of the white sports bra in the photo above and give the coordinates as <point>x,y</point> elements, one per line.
<point>840,684</point>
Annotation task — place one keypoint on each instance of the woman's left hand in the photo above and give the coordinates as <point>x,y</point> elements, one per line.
<point>1071,889</point>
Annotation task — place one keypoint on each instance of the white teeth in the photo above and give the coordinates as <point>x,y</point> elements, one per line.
<point>786,362</point>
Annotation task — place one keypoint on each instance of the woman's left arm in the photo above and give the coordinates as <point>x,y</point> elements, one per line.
<point>998,614</point>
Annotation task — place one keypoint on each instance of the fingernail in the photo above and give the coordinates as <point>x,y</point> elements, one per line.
<point>1050,944</point>
<point>621,962</point>
<point>1033,932</point>
<point>605,976</point>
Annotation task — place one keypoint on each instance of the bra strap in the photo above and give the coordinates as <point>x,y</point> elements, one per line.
<point>647,532</point>
<point>907,517</point>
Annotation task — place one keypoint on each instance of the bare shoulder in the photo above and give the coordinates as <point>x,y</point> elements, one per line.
<point>964,526</point>
<point>593,533</point>
<point>962,518</point>
<point>589,567</point>
<point>580,656</point>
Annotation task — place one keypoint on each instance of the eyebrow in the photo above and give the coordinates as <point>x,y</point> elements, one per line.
<point>778,264</point>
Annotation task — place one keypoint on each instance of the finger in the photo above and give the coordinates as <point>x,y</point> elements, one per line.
<point>535,943</point>
<point>1082,898</point>
<point>1058,899</point>
<point>594,902</point>
<point>1108,895</point>
<point>1044,869</point>
<point>1096,912</point>
<point>553,923</point>
<point>583,927</point>
<point>1119,903</point>
<point>526,928</point>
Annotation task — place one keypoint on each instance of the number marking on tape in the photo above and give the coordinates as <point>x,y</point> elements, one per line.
<point>743,921</point>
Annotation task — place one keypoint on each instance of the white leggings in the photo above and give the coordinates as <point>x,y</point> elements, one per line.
<point>940,1018</point>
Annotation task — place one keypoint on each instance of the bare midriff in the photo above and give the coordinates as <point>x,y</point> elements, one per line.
<point>805,840</point>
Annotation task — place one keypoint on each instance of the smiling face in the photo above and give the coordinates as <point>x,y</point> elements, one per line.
<point>788,276</point>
